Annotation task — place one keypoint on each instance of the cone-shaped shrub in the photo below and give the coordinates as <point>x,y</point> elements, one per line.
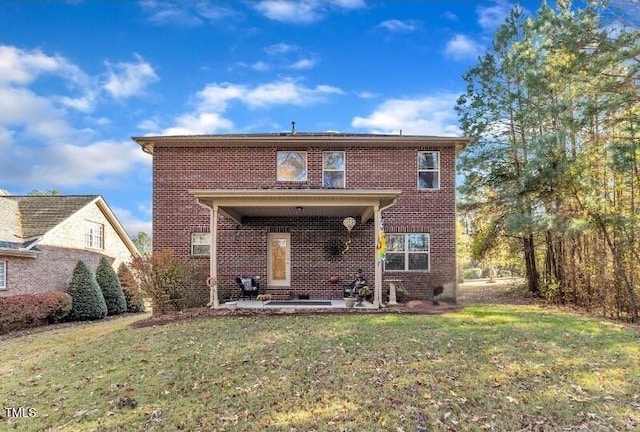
<point>86,296</point>
<point>111,289</point>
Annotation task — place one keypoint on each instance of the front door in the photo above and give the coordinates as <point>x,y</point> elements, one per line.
<point>279,259</point>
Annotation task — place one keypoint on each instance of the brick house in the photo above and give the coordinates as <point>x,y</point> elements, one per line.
<point>272,206</point>
<point>43,237</point>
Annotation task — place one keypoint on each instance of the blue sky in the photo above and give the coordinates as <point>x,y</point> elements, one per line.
<point>79,78</point>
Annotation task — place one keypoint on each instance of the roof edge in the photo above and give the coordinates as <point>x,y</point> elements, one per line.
<point>148,143</point>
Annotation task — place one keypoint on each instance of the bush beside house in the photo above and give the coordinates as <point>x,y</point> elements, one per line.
<point>172,285</point>
<point>132,295</point>
<point>87,299</point>
<point>32,310</point>
<point>111,289</point>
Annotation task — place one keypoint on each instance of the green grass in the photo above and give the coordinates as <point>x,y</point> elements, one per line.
<point>501,368</point>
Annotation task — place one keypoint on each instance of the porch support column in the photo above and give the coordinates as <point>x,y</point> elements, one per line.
<point>214,303</point>
<point>377,290</point>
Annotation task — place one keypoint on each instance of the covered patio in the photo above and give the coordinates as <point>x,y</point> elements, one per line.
<point>238,204</point>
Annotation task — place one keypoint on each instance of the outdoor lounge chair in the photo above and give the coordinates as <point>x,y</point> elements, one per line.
<point>248,287</point>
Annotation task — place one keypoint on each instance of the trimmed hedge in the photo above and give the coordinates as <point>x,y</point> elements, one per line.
<point>111,289</point>
<point>32,310</point>
<point>88,302</point>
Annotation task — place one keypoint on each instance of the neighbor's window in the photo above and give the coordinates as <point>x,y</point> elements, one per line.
<point>333,169</point>
<point>200,244</point>
<point>292,165</point>
<point>407,252</point>
<point>3,275</point>
<point>94,235</point>
<point>428,170</point>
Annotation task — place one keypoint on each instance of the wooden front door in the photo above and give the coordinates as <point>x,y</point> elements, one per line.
<point>279,259</point>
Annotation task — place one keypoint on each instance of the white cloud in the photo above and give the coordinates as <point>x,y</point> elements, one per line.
<point>189,14</point>
<point>303,11</point>
<point>129,79</point>
<point>40,145</point>
<point>280,48</point>
<point>491,17</point>
<point>366,94</point>
<point>430,115</point>
<point>260,66</point>
<point>199,123</point>
<point>395,25</point>
<point>213,101</point>
<point>288,92</point>
<point>460,47</point>
<point>132,224</point>
<point>19,66</point>
<point>303,64</point>
<point>450,16</point>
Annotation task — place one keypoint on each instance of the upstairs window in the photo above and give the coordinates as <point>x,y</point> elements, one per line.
<point>428,170</point>
<point>3,275</point>
<point>94,235</point>
<point>408,252</point>
<point>333,171</point>
<point>291,166</point>
<point>200,244</point>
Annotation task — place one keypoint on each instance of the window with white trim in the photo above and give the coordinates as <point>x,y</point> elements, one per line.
<point>428,170</point>
<point>408,252</point>
<point>3,275</point>
<point>94,235</point>
<point>291,166</point>
<point>200,244</point>
<point>333,169</point>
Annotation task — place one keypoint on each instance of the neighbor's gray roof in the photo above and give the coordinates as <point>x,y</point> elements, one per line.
<point>40,213</point>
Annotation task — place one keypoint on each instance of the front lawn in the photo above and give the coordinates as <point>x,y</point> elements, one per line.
<point>484,368</point>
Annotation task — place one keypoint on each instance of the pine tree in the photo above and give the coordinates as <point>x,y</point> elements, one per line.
<point>87,299</point>
<point>111,288</point>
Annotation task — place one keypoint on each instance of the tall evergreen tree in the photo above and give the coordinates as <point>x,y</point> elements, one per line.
<point>111,288</point>
<point>87,299</point>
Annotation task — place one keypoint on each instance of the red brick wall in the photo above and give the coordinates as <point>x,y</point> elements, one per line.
<point>243,252</point>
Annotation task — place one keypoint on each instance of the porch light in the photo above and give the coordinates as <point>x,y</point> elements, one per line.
<point>299,209</point>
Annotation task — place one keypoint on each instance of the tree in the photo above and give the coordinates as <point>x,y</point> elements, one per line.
<point>111,288</point>
<point>37,192</point>
<point>554,109</point>
<point>143,243</point>
<point>87,299</point>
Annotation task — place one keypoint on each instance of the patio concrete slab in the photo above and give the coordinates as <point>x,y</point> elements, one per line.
<point>297,304</point>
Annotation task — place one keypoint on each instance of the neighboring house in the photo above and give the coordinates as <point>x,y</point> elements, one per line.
<point>272,206</point>
<point>43,237</point>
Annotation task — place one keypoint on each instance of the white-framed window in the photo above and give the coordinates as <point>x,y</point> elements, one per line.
<point>200,243</point>
<point>94,235</point>
<point>428,170</point>
<point>3,275</point>
<point>333,169</point>
<point>291,166</point>
<point>408,252</point>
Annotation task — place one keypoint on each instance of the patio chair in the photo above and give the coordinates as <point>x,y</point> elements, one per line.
<point>248,287</point>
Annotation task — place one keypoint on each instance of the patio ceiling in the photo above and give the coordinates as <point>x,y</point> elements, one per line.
<point>239,203</point>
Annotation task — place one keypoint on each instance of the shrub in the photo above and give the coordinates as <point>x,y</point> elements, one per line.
<point>132,294</point>
<point>173,285</point>
<point>87,299</point>
<point>472,273</point>
<point>31,310</point>
<point>111,290</point>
